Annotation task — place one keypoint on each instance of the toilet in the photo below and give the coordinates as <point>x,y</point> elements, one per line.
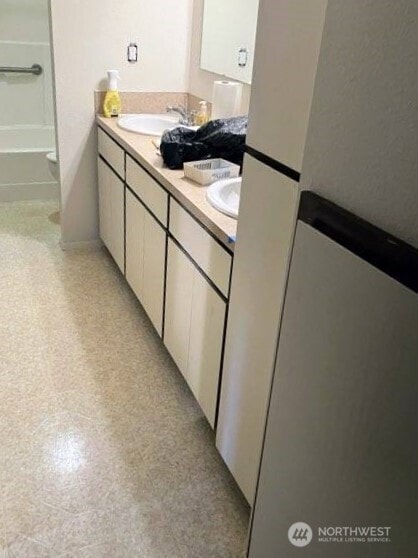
<point>52,164</point>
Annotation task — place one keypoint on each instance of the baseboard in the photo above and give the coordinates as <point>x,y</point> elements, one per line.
<point>29,192</point>
<point>85,245</point>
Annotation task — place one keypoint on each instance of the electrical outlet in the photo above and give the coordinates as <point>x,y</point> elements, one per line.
<point>132,53</point>
<point>243,57</point>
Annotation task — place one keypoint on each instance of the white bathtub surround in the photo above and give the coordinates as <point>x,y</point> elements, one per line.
<point>24,173</point>
<point>26,138</point>
<point>32,175</point>
<point>27,124</point>
<point>28,98</point>
<point>24,20</point>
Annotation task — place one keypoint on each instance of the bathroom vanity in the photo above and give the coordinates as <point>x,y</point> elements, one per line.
<point>175,251</point>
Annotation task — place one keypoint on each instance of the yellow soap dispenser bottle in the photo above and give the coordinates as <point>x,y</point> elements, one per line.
<point>112,106</point>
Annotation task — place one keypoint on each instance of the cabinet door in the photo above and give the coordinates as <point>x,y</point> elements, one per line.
<point>104,202</point>
<point>117,220</point>
<point>178,306</point>
<point>112,213</point>
<point>205,345</point>
<point>154,270</point>
<point>194,326</point>
<point>145,259</point>
<point>135,226</point>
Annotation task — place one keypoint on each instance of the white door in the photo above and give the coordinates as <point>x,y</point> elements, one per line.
<point>135,225</point>
<point>289,36</point>
<point>205,346</point>
<point>154,270</point>
<point>341,433</point>
<point>257,293</point>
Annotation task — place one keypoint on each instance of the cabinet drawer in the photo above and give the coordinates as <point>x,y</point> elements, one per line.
<point>112,153</point>
<point>147,189</point>
<point>205,251</point>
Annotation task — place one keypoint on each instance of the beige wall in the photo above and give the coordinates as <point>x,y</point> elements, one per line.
<point>89,38</point>
<point>200,81</point>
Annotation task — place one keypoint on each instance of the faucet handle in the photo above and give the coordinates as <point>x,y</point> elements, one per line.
<point>184,119</point>
<point>179,108</point>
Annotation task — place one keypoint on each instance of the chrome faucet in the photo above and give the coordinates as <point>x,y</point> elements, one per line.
<point>184,117</point>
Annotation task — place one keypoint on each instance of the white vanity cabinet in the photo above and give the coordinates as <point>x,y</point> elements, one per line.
<point>111,212</point>
<point>145,258</point>
<point>179,271</point>
<point>194,328</point>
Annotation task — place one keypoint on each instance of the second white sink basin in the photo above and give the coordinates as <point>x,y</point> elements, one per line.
<point>224,195</point>
<point>148,124</point>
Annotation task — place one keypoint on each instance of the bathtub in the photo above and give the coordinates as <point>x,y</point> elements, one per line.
<point>24,173</point>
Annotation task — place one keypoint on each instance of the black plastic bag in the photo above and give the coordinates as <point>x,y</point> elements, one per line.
<point>223,139</point>
<point>178,146</point>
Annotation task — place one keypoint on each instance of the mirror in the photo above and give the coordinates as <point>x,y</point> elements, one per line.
<point>228,38</point>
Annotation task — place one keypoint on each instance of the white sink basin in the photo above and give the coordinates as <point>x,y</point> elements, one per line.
<point>224,195</point>
<point>148,124</point>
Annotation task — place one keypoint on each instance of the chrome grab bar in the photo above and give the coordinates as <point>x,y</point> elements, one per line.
<point>35,70</point>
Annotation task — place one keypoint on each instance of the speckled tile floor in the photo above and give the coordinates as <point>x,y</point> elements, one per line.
<point>103,451</point>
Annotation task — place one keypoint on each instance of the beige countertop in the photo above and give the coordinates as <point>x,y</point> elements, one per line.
<point>188,193</point>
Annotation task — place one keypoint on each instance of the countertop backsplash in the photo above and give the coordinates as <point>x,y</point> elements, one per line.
<point>134,102</point>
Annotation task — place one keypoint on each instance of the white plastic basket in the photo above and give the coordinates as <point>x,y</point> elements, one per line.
<point>211,170</point>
